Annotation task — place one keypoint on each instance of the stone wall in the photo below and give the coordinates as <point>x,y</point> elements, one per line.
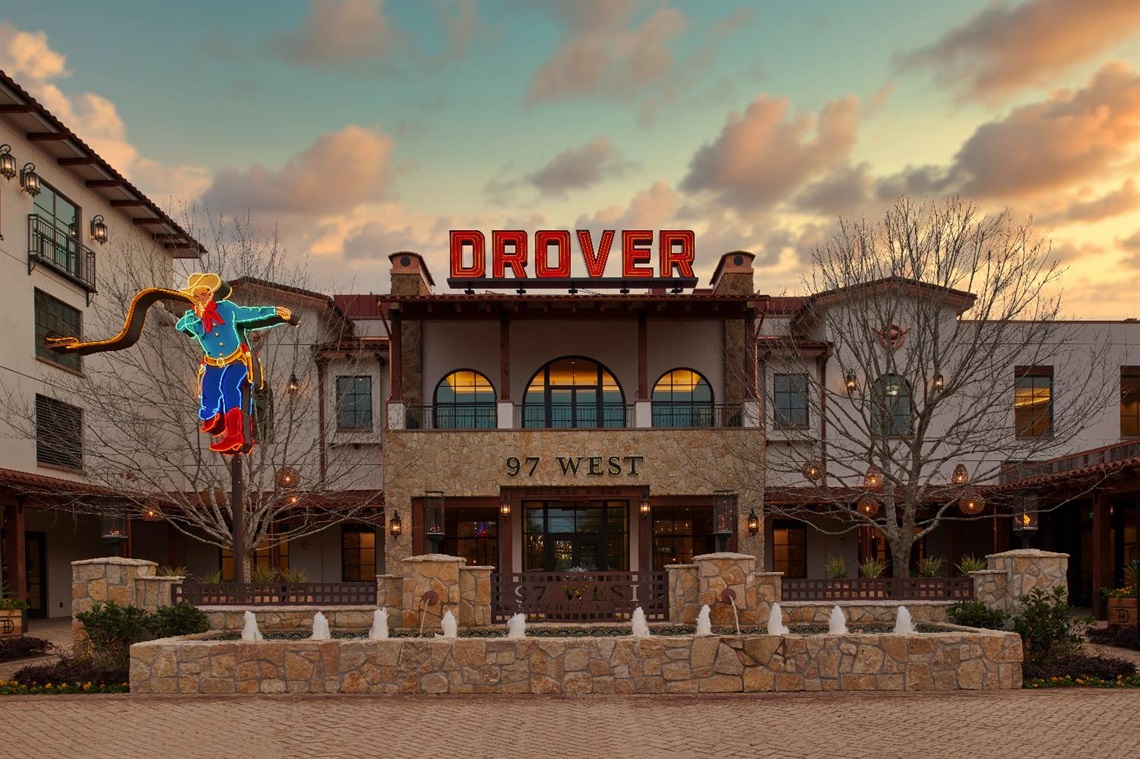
<point>431,573</point>
<point>1012,574</point>
<point>124,581</point>
<point>956,659</point>
<point>152,592</point>
<point>475,596</point>
<point>863,612</point>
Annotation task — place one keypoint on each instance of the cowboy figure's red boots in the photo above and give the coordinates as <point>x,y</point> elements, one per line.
<point>234,438</point>
<point>214,425</point>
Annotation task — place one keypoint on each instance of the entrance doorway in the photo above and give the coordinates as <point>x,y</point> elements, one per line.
<point>35,553</point>
<point>569,536</point>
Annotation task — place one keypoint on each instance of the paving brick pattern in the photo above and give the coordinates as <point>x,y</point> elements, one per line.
<point>1011,725</point>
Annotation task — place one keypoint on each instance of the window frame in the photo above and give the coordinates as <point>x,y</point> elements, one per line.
<point>360,564</point>
<point>42,353</point>
<point>1034,374</point>
<point>1130,375</point>
<point>699,414</point>
<point>263,413</point>
<point>486,551</point>
<point>882,410</point>
<point>788,527</point>
<point>341,397</point>
<point>463,410</point>
<point>45,443</point>
<point>782,421</point>
<point>600,407</point>
<point>660,537</point>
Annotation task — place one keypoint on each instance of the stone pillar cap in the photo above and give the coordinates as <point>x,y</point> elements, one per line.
<point>439,557</point>
<point>723,556</point>
<point>117,560</point>
<point>1032,553</point>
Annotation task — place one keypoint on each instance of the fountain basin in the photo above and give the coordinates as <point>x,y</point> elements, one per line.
<point>951,659</point>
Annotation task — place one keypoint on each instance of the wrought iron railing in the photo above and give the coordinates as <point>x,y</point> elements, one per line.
<point>50,245</point>
<point>867,589</point>
<point>275,593</point>
<point>573,416</point>
<point>579,596</point>
<point>697,415</point>
<point>469,417</point>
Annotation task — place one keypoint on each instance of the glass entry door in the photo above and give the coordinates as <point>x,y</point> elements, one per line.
<point>575,536</point>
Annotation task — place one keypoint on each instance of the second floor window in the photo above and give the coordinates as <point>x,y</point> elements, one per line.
<point>354,403</point>
<point>59,433</point>
<point>465,400</point>
<point>1033,401</point>
<point>263,414</point>
<point>573,392</point>
<point>1130,401</point>
<point>891,407</point>
<point>790,396</point>
<point>54,318</point>
<point>682,398</point>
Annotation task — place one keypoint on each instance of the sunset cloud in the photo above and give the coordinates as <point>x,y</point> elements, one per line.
<point>26,55</point>
<point>579,168</point>
<point>1008,47</point>
<point>1122,200</point>
<point>338,172</point>
<point>763,156</point>
<point>337,33</point>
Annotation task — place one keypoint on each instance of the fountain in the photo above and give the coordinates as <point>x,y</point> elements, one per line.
<point>776,624</point>
<point>449,625</point>
<point>379,629</point>
<point>516,626</point>
<point>837,623</point>
<point>704,625</point>
<point>903,623</point>
<point>640,628</point>
<point>321,627</point>
<point>250,631</point>
<point>728,596</point>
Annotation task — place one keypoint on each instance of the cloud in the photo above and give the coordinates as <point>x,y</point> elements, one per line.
<point>1005,48</point>
<point>654,208</point>
<point>26,55</point>
<point>843,192</point>
<point>579,168</point>
<point>603,54</point>
<point>1122,200</point>
<point>338,172</point>
<point>1069,137</point>
<point>461,28</point>
<point>762,157</point>
<point>339,33</point>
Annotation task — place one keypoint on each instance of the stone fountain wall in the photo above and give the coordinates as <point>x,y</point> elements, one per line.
<point>957,659</point>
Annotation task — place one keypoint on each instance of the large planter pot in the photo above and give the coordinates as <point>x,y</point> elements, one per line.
<point>1122,611</point>
<point>11,623</point>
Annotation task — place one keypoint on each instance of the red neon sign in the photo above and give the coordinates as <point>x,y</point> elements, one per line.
<point>510,251</point>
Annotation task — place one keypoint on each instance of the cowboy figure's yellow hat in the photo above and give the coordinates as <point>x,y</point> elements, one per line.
<point>198,283</point>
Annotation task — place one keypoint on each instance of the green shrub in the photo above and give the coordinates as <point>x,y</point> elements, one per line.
<point>977,614</point>
<point>180,619</point>
<point>835,567</point>
<point>263,575</point>
<point>1049,632</point>
<point>930,566</point>
<point>111,629</point>
<point>969,563</point>
<point>172,571</point>
<point>872,568</point>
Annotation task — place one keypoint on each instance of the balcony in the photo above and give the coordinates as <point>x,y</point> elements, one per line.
<point>60,252</point>
<point>640,415</point>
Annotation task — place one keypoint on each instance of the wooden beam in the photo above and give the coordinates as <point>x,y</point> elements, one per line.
<point>47,136</point>
<point>86,160</point>
<point>105,182</point>
<point>504,358</point>
<point>1101,554</point>
<point>149,220</point>
<point>15,561</point>
<point>134,203</point>
<point>642,358</point>
<point>17,108</point>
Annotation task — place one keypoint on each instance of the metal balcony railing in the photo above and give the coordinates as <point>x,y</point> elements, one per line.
<point>457,417</point>
<point>59,251</point>
<point>573,416</point>
<point>698,415</point>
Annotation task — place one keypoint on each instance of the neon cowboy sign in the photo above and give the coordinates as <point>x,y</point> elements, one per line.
<point>510,251</point>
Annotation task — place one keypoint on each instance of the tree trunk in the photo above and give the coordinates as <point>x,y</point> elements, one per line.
<point>900,555</point>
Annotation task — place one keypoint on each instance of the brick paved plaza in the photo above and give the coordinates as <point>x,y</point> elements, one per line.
<point>1028,724</point>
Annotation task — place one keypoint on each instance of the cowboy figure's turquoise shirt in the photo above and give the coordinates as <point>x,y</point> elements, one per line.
<point>224,339</point>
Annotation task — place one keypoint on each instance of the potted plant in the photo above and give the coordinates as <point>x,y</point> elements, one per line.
<point>930,566</point>
<point>13,613</point>
<point>970,563</point>
<point>1122,601</point>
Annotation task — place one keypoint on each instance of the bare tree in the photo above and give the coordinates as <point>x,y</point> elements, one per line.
<point>934,339</point>
<point>142,442</point>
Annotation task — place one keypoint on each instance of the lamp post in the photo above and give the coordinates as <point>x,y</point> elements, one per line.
<point>1025,522</point>
<point>433,519</point>
<point>724,503</point>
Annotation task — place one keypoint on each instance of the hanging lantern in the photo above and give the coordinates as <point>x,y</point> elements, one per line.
<point>812,471</point>
<point>867,506</point>
<point>850,383</point>
<point>873,479</point>
<point>287,477</point>
<point>938,383</point>
<point>114,529</point>
<point>961,476</point>
<point>151,513</point>
<point>972,503</point>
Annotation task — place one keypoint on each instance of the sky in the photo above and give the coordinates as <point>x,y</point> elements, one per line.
<point>358,128</point>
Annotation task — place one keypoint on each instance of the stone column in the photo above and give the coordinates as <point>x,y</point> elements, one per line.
<point>683,581</point>
<point>717,572</point>
<point>1020,571</point>
<point>990,588</point>
<point>152,592</point>
<point>390,594</point>
<point>430,572</point>
<point>94,581</point>
<point>475,596</point>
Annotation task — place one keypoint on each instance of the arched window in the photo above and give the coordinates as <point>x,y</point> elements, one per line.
<point>682,398</point>
<point>891,406</point>
<point>465,400</point>
<point>573,392</point>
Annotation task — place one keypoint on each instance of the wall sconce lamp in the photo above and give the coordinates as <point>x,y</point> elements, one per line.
<point>99,230</point>
<point>960,476</point>
<point>505,506</point>
<point>395,527</point>
<point>850,382</point>
<point>294,384</point>
<point>753,523</point>
<point>873,479</point>
<point>29,180</point>
<point>938,383</point>
<point>645,506</point>
<point>7,162</point>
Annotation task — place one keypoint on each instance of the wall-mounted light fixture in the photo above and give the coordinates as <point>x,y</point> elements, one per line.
<point>753,523</point>
<point>29,180</point>
<point>99,230</point>
<point>850,382</point>
<point>505,506</point>
<point>961,475</point>
<point>395,527</point>
<point>7,162</point>
<point>645,507</point>
<point>294,384</point>
<point>938,383</point>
